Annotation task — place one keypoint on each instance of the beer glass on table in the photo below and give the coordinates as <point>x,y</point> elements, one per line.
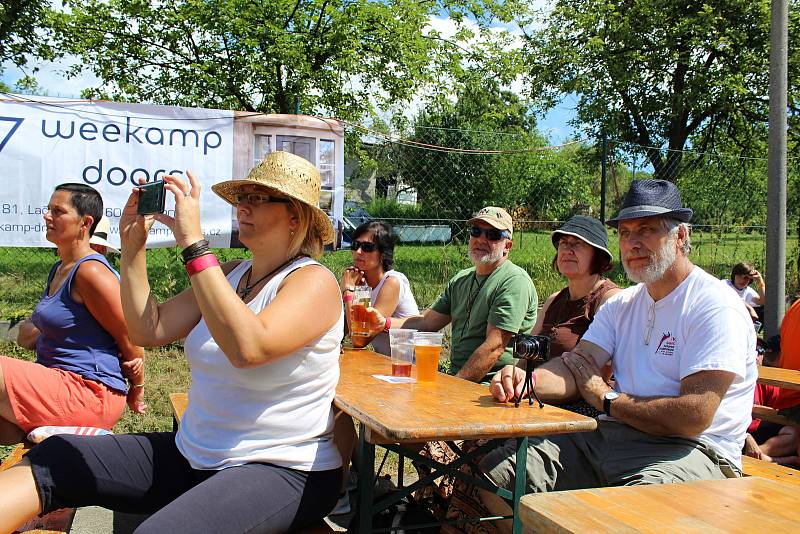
<point>428,348</point>
<point>359,319</point>
<point>401,341</point>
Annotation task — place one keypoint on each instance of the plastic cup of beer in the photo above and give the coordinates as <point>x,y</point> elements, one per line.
<point>359,320</point>
<point>401,340</point>
<point>427,348</point>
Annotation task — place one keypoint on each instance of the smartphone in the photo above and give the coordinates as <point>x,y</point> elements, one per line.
<point>151,198</point>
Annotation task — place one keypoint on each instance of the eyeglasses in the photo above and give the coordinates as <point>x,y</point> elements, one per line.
<point>576,244</point>
<point>366,246</point>
<point>492,234</point>
<point>256,199</point>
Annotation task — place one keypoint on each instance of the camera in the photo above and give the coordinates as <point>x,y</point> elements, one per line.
<point>534,349</point>
<point>151,198</point>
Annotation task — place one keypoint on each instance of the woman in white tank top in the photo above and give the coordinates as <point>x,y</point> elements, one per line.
<point>255,449</point>
<point>373,257</point>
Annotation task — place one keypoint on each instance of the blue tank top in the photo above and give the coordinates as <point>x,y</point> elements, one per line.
<point>71,338</point>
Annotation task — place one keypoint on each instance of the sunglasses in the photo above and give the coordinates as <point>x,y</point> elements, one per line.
<point>256,199</point>
<point>492,234</point>
<point>366,246</point>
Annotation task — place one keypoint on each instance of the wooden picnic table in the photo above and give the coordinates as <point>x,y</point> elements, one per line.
<point>397,415</point>
<point>776,376</point>
<point>742,505</point>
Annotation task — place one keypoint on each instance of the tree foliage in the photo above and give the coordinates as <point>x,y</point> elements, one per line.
<point>323,56</point>
<point>536,185</point>
<point>656,72</point>
<point>22,30</point>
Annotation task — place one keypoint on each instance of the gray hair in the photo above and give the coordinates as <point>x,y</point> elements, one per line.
<point>672,225</point>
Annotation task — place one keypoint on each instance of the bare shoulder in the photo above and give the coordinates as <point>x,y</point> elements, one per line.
<point>94,273</point>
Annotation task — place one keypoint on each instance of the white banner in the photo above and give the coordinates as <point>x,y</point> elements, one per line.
<point>109,146</point>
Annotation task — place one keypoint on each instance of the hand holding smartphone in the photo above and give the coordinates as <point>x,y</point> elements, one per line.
<point>151,198</point>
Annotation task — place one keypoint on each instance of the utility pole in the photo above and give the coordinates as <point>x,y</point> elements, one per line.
<point>776,185</point>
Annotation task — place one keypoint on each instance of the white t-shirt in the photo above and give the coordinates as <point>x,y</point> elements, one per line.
<point>748,294</point>
<point>277,413</point>
<point>406,307</point>
<point>699,326</point>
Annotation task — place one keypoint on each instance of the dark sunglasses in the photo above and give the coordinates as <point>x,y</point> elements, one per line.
<point>256,199</point>
<point>492,234</point>
<point>366,246</point>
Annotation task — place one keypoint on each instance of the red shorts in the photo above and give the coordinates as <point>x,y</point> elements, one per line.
<point>42,396</point>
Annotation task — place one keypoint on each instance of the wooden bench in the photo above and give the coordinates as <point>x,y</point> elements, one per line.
<point>55,522</point>
<point>744,504</point>
<point>179,402</point>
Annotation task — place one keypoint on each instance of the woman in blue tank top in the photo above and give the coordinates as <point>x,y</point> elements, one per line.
<point>83,352</point>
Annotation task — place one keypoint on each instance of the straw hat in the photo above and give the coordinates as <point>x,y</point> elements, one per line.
<point>291,175</point>
<point>100,235</point>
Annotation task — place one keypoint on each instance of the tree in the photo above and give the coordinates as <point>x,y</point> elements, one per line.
<point>273,56</point>
<point>536,185</point>
<point>657,73</point>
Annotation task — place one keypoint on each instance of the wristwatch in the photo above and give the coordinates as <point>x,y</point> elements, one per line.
<point>608,398</point>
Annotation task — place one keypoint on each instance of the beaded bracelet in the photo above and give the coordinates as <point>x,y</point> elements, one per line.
<point>195,250</point>
<point>201,263</point>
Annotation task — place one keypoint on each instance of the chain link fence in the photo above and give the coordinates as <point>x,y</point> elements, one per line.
<point>428,183</point>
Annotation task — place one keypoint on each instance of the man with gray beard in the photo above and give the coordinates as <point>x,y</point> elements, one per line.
<point>486,304</point>
<point>682,349</point>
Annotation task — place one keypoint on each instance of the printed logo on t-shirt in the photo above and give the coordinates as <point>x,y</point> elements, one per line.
<point>666,347</point>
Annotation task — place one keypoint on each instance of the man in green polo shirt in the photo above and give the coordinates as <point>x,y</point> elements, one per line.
<point>486,304</point>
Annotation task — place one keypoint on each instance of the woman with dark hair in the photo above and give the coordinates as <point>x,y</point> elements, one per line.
<point>373,258</point>
<point>83,352</point>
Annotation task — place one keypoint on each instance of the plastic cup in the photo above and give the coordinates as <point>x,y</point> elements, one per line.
<point>427,348</point>
<point>401,341</point>
<point>359,320</point>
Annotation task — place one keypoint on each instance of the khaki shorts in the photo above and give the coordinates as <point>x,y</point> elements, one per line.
<point>613,455</point>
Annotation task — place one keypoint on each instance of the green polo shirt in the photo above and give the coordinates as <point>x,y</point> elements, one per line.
<point>506,299</point>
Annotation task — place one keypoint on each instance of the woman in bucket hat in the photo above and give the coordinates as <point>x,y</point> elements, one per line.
<point>582,256</point>
<point>254,452</point>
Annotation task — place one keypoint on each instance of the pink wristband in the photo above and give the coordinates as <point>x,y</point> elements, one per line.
<point>388,324</point>
<point>347,298</point>
<point>201,264</point>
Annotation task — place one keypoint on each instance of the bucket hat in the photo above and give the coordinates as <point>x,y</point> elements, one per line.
<point>291,175</point>
<point>647,198</point>
<point>100,235</point>
<point>587,229</point>
<point>497,217</point>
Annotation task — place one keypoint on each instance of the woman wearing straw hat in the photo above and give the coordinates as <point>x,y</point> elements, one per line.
<point>254,452</point>
<point>83,352</point>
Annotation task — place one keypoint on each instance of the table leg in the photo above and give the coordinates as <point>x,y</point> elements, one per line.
<point>366,487</point>
<point>519,480</point>
<point>400,468</point>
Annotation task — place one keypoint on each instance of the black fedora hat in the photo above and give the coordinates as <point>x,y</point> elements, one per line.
<point>586,229</point>
<point>648,198</point>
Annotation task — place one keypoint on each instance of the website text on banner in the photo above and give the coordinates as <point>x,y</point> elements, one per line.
<point>108,146</point>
